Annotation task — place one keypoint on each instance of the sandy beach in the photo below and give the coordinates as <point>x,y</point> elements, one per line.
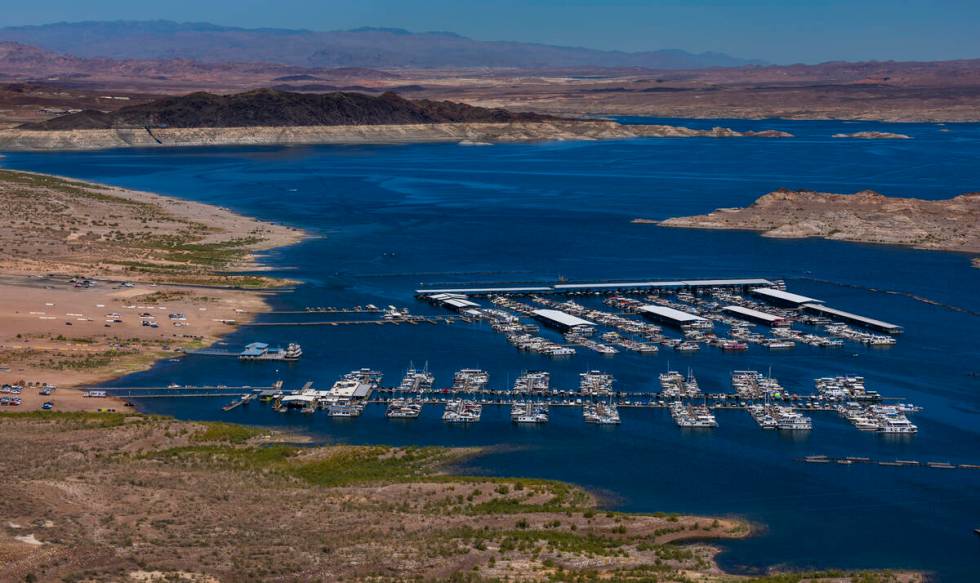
<point>98,282</point>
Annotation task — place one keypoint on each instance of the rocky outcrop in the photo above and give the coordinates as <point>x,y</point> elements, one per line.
<point>470,133</point>
<point>874,136</point>
<point>867,217</point>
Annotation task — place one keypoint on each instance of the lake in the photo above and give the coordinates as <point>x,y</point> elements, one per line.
<point>391,219</point>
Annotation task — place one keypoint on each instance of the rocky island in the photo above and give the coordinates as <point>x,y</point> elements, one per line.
<point>873,136</point>
<point>269,116</point>
<point>866,217</point>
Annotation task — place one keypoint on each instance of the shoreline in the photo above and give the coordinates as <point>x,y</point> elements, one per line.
<point>468,133</point>
<point>73,320</point>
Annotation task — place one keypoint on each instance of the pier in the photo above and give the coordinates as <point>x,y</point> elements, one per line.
<point>411,320</point>
<point>501,397</point>
<point>609,287</point>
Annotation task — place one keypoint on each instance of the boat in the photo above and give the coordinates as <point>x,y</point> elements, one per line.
<point>532,382</point>
<point>789,420</point>
<point>688,346</point>
<point>697,416</point>
<point>524,412</point>
<point>344,408</point>
<point>470,379</point>
<point>416,380</point>
<point>762,416</point>
<point>601,413</point>
<point>595,382</point>
<point>403,409</point>
<point>462,411</point>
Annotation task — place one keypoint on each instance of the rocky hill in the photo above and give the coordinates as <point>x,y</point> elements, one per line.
<point>867,217</point>
<point>271,108</point>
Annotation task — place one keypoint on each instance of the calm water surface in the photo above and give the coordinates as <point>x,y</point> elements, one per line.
<point>392,218</point>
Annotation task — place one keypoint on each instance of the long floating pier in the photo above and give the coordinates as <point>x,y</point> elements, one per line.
<point>410,320</point>
<point>501,397</point>
<point>603,287</point>
<point>850,460</point>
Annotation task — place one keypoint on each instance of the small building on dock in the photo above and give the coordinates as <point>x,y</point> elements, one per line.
<point>785,299</point>
<point>757,316</point>
<point>564,321</point>
<point>261,351</point>
<point>850,318</point>
<point>671,316</point>
<point>254,351</point>
<point>452,301</point>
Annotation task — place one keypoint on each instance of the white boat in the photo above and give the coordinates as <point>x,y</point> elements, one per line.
<point>595,382</point>
<point>470,379</point>
<point>697,416</point>
<point>790,420</point>
<point>344,408</point>
<point>403,409</point>
<point>897,424</point>
<point>522,412</point>
<point>762,416</point>
<point>601,413</point>
<point>461,411</point>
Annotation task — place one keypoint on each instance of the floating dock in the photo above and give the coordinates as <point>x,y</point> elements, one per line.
<point>603,287</point>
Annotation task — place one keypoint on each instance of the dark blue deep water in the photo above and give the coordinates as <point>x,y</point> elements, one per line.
<point>394,217</point>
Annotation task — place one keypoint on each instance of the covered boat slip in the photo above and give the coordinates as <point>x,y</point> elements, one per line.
<point>562,320</point>
<point>756,316</point>
<point>783,298</point>
<point>669,315</point>
<point>853,318</point>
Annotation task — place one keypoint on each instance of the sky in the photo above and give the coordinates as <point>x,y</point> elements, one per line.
<point>786,31</point>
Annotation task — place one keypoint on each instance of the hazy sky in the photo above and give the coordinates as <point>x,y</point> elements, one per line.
<point>778,31</point>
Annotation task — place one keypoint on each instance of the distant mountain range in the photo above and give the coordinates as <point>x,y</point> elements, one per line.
<point>364,47</point>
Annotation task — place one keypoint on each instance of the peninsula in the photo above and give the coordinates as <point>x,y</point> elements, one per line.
<point>97,282</point>
<point>125,497</point>
<point>865,217</point>
<point>267,116</point>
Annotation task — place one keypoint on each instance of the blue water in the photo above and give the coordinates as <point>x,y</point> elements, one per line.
<point>394,218</point>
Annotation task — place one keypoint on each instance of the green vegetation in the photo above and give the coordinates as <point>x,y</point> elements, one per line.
<point>78,419</point>
<point>227,433</point>
<point>341,466</point>
<point>66,187</point>
<point>358,465</point>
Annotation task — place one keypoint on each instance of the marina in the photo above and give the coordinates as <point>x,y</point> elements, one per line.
<point>702,311</point>
<point>531,397</point>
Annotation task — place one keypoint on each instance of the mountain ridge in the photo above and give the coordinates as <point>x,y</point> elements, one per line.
<point>360,47</point>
